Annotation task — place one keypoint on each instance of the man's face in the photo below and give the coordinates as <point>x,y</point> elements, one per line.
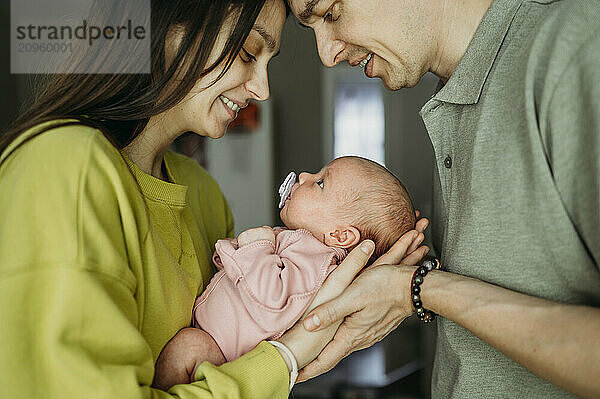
<point>395,38</point>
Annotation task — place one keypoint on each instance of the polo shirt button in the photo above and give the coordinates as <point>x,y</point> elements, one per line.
<point>448,162</point>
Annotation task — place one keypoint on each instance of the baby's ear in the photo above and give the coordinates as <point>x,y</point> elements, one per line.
<point>343,237</point>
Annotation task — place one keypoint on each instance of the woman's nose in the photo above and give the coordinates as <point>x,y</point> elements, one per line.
<point>258,86</point>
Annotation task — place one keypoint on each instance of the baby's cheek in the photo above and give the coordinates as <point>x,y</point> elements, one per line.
<point>307,219</point>
<point>293,216</point>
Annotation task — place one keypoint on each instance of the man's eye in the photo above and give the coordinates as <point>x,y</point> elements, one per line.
<point>320,183</point>
<point>329,16</point>
<point>246,56</point>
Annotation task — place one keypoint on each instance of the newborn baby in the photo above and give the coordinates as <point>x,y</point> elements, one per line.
<point>268,277</point>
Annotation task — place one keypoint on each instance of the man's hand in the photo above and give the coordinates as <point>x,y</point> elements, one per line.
<point>376,302</point>
<point>256,234</point>
<point>373,306</point>
<point>400,254</point>
<point>307,345</point>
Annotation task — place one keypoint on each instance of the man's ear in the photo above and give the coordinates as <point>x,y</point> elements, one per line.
<point>343,237</point>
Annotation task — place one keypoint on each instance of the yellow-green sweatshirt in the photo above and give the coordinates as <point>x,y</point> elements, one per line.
<point>100,264</point>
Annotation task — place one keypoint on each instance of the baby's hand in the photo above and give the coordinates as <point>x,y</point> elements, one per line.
<point>256,234</point>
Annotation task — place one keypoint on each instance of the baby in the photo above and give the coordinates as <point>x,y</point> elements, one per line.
<point>268,277</point>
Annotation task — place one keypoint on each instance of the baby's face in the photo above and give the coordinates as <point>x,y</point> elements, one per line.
<point>315,197</point>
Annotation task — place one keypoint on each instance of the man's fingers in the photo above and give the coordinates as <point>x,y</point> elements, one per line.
<point>336,283</point>
<point>335,351</point>
<point>415,244</point>
<point>328,313</point>
<point>422,224</point>
<point>397,252</point>
<point>344,274</point>
<point>416,256</point>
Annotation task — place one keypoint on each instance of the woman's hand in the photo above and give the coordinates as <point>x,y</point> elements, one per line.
<point>371,307</point>
<point>307,345</point>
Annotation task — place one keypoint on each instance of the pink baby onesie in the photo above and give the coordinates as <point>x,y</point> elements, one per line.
<point>262,289</point>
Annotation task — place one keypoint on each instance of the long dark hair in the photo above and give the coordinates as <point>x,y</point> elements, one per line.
<point>121,104</point>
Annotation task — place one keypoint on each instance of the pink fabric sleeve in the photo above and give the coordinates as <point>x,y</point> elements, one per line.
<point>277,282</point>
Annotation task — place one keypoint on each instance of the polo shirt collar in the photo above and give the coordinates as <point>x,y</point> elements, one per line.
<point>466,83</point>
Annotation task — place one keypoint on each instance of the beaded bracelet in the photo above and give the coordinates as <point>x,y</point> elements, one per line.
<point>428,265</point>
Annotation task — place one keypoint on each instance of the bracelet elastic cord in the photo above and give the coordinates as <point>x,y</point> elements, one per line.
<point>290,355</point>
<point>423,314</point>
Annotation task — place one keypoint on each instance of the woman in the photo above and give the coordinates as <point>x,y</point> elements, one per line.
<point>106,238</point>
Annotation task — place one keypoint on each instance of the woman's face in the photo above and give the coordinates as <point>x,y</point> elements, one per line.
<point>208,110</point>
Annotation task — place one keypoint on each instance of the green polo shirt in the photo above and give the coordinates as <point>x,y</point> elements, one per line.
<point>516,134</point>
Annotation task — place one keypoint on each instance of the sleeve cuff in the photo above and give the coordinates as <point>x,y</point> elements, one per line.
<point>260,373</point>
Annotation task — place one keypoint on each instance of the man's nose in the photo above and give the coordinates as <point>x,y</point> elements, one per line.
<point>328,47</point>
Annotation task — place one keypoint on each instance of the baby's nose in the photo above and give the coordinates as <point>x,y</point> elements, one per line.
<point>303,176</point>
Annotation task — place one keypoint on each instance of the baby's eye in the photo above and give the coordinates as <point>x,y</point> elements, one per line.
<point>320,183</point>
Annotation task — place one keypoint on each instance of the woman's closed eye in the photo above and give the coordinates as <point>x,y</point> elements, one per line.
<point>246,56</point>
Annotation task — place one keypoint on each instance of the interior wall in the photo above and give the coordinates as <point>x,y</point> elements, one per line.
<point>242,163</point>
<point>408,150</point>
<point>295,77</point>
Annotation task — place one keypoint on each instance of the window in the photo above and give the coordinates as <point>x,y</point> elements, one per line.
<point>359,120</point>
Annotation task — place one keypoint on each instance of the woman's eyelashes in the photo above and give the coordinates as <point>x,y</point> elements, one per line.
<point>246,56</point>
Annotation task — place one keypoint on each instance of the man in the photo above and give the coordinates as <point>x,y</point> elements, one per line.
<point>515,126</point>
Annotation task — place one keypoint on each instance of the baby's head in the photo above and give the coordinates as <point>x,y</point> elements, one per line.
<point>351,199</point>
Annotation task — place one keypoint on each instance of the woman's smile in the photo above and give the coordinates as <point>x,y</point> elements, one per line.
<point>230,107</point>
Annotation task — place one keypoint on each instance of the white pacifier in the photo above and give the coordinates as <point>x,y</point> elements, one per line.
<point>286,188</point>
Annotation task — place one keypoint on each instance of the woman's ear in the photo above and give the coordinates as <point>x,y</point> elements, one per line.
<point>343,237</point>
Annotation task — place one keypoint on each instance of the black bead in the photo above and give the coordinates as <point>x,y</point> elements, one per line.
<point>418,280</point>
<point>416,289</point>
<point>417,304</point>
<point>420,311</point>
<point>416,297</point>
<point>428,265</point>
<point>422,271</point>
